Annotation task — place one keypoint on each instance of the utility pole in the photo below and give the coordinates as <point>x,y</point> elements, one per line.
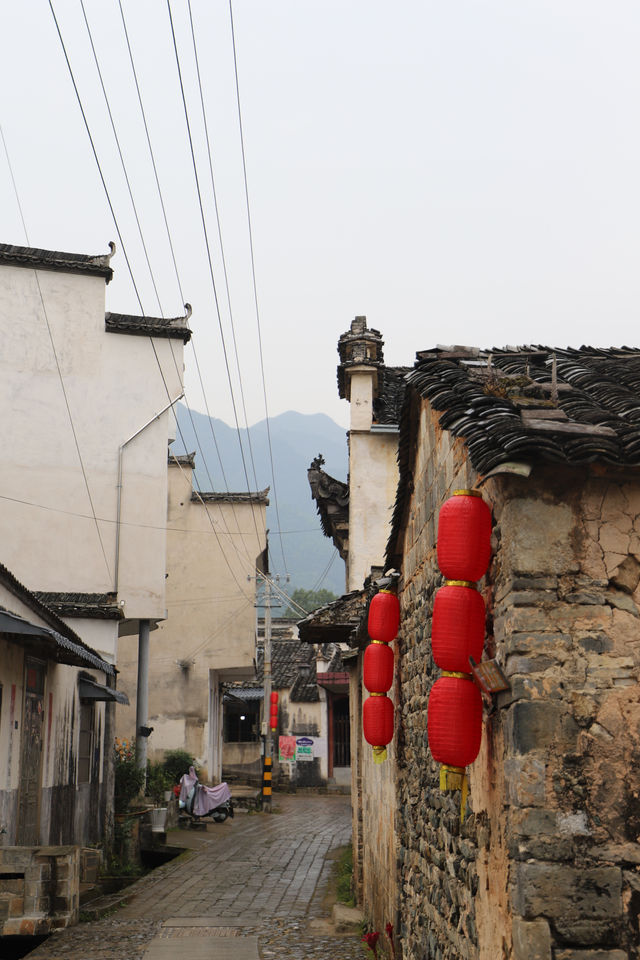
<point>266,675</point>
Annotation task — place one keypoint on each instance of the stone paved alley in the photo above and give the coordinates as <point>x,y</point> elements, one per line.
<point>251,887</point>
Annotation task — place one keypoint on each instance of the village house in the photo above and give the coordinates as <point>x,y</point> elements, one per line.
<point>300,712</point>
<point>545,862</point>
<point>54,790</point>
<point>87,399</point>
<point>357,516</point>
<point>215,541</point>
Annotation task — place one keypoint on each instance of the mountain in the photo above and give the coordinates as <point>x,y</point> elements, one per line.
<point>296,438</point>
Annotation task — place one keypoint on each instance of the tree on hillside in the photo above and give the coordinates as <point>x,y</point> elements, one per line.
<point>310,600</point>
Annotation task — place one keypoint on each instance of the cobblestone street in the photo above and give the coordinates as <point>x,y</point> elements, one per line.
<point>252,887</point>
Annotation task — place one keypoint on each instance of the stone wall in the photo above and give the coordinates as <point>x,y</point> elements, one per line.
<point>39,889</point>
<point>438,861</point>
<point>547,862</point>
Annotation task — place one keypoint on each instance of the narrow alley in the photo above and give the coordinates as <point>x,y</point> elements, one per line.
<point>252,887</point>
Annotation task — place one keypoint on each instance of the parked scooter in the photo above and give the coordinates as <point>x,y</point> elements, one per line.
<point>198,802</point>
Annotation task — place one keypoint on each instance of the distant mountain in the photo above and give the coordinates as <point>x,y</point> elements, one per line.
<point>296,438</point>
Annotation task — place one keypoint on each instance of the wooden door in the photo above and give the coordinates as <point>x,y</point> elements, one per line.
<point>31,754</point>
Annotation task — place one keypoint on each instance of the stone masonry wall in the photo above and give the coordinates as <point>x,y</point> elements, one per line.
<point>547,863</point>
<point>438,860</point>
<point>566,623</point>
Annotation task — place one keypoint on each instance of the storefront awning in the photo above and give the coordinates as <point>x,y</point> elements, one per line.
<point>60,648</point>
<point>90,690</point>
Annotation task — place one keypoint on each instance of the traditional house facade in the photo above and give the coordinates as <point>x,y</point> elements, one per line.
<point>546,862</point>
<point>87,399</point>
<point>301,713</point>
<point>54,758</point>
<point>357,515</point>
<point>214,545</point>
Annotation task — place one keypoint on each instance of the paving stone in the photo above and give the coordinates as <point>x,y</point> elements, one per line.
<point>255,879</point>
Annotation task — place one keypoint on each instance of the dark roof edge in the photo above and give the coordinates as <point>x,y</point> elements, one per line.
<point>30,600</point>
<point>212,496</point>
<point>36,258</point>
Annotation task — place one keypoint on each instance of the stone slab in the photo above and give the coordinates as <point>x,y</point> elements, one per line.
<point>204,948</point>
<point>205,921</point>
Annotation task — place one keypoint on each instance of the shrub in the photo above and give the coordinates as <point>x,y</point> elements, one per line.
<point>158,780</point>
<point>176,763</point>
<point>129,777</point>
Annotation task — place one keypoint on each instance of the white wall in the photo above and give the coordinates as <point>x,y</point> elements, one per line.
<point>113,386</point>
<point>210,625</point>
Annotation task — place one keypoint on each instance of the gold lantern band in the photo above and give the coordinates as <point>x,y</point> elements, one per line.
<point>379,754</point>
<point>461,583</point>
<point>453,673</point>
<point>382,643</point>
<point>467,493</point>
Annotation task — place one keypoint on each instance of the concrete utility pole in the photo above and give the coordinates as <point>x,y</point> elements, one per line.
<point>142,695</point>
<point>266,676</point>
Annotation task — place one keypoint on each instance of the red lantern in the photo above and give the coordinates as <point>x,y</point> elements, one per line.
<point>464,536</point>
<point>377,720</point>
<point>274,697</point>
<point>457,627</point>
<point>378,667</point>
<point>454,721</point>
<point>384,617</point>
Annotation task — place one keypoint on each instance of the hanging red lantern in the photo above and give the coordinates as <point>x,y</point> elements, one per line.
<point>454,721</point>
<point>377,724</point>
<point>378,667</point>
<point>464,536</point>
<point>457,627</point>
<point>384,617</point>
<point>274,696</point>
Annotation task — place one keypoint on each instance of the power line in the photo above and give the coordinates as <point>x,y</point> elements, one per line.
<point>253,273</point>
<point>208,248</point>
<point>58,368</point>
<point>106,190</point>
<point>222,253</point>
<point>177,273</point>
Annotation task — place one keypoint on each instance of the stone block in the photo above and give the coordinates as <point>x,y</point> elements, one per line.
<point>525,780</point>
<point>591,955</point>
<point>531,644</point>
<point>589,933</point>
<point>536,725</point>
<point>531,939</point>
<point>567,894</point>
<point>16,907</point>
<point>537,537</point>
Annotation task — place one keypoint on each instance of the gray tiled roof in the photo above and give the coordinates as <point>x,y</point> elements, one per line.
<point>219,497</point>
<point>172,327</point>
<point>526,405</point>
<point>64,636</point>
<point>182,459</point>
<point>287,652</point>
<point>332,503</point>
<point>36,258</point>
<point>93,606</point>
<point>336,622</point>
<point>388,404</point>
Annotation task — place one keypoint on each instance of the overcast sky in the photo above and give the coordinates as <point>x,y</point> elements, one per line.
<point>459,172</point>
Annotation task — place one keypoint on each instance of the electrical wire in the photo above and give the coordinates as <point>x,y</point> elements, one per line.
<point>58,368</point>
<point>135,287</point>
<point>208,249</point>
<point>222,253</point>
<point>253,274</point>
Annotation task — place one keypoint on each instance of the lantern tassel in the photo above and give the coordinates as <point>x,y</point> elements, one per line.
<point>379,754</point>
<point>463,796</point>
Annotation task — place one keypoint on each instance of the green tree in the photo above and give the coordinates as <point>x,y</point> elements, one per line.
<point>310,600</point>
